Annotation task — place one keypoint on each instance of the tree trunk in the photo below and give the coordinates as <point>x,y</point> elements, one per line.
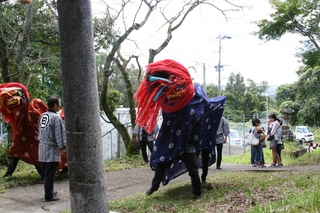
<point>88,192</point>
<point>24,43</point>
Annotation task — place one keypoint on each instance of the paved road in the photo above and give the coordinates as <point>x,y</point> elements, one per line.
<point>120,184</point>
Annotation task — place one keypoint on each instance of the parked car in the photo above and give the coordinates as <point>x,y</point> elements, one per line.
<point>234,138</point>
<point>303,134</point>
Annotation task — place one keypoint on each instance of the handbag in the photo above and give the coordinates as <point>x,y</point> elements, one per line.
<point>252,140</point>
<point>270,138</point>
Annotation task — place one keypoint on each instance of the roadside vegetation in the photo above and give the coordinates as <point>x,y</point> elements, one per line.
<point>241,191</point>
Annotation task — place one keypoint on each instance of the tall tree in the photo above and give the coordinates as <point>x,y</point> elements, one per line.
<point>299,17</point>
<point>29,48</point>
<point>80,92</point>
<point>236,90</point>
<point>134,20</point>
<point>307,97</point>
<point>212,90</point>
<point>244,98</point>
<point>286,92</point>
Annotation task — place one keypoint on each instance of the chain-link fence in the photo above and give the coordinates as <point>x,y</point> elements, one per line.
<point>236,143</point>
<point>113,145</point>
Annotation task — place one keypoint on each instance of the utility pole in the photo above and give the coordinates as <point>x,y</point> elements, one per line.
<point>267,111</point>
<point>219,66</point>
<point>204,79</point>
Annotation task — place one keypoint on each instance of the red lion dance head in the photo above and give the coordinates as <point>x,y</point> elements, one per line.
<point>167,85</point>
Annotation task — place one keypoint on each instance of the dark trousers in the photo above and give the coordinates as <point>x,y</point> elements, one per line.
<point>279,149</point>
<point>252,155</point>
<point>144,143</point>
<point>49,172</point>
<point>13,165</point>
<point>205,165</point>
<point>191,162</point>
<point>219,154</point>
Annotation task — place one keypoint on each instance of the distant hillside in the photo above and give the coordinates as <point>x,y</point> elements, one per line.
<point>272,91</point>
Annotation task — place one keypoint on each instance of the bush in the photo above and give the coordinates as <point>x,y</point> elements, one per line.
<point>4,158</point>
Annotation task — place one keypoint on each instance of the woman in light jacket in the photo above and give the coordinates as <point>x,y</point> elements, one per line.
<point>274,135</point>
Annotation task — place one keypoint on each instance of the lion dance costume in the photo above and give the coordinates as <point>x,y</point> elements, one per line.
<point>23,118</point>
<point>189,117</point>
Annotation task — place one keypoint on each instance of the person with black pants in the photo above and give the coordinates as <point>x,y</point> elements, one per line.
<point>190,160</point>
<point>52,141</point>
<point>221,138</point>
<point>13,165</point>
<point>145,139</point>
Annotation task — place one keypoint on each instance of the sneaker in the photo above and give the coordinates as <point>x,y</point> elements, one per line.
<point>273,165</point>
<point>254,165</point>
<point>280,165</point>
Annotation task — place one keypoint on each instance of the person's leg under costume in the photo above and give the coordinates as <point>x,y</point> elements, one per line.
<point>191,162</point>
<point>205,163</point>
<point>158,174</point>
<point>12,166</point>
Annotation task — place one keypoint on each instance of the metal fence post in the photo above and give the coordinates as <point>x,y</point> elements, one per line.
<point>118,142</point>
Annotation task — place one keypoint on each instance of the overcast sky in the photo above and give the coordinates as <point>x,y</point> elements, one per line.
<point>195,42</point>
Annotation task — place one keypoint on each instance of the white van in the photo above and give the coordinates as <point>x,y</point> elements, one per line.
<point>303,134</point>
<point>234,138</point>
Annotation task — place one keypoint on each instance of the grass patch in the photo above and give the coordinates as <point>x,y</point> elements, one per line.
<point>25,174</point>
<point>135,161</point>
<point>286,154</point>
<point>283,191</point>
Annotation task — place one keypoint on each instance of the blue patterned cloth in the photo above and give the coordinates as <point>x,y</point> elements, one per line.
<point>195,125</point>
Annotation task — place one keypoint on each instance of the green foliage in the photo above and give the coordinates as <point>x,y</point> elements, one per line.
<point>212,90</point>
<point>299,17</point>
<point>4,152</point>
<point>41,72</point>
<point>245,98</point>
<point>302,97</point>
<point>286,92</point>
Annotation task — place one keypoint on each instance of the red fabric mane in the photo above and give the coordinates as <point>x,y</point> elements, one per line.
<point>167,85</point>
